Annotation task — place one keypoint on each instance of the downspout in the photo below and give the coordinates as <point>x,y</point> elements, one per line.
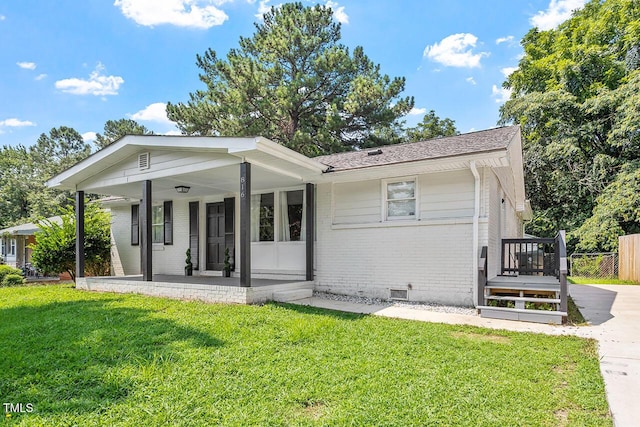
<point>475,238</point>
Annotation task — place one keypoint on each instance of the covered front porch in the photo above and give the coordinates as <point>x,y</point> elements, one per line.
<point>241,204</point>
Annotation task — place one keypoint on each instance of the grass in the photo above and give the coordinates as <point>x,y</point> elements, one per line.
<point>127,360</point>
<point>591,281</point>
<point>574,317</point>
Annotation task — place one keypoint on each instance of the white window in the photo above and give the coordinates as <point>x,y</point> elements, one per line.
<point>400,199</point>
<point>3,248</point>
<point>12,247</point>
<point>157,223</point>
<point>262,217</point>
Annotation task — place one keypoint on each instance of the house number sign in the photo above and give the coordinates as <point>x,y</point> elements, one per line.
<point>243,187</point>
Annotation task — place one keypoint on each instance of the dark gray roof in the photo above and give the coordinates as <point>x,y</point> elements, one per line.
<point>458,145</point>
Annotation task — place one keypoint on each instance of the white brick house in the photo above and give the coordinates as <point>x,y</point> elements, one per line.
<point>406,221</point>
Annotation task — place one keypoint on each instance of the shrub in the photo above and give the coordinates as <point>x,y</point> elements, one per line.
<point>6,270</point>
<point>13,280</point>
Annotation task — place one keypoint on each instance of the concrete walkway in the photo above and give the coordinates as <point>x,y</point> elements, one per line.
<point>614,316</point>
<point>613,312</point>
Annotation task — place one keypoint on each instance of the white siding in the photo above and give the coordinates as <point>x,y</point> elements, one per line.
<point>446,195</point>
<point>121,229</point>
<point>357,202</point>
<point>430,258</point>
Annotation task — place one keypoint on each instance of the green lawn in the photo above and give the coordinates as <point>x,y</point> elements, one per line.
<point>105,359</point>
<point>590,281</point>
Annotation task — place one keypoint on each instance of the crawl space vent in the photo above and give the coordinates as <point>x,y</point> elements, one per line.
<point>399,294</point>
<point>374,152</point>
<point>144,161</point>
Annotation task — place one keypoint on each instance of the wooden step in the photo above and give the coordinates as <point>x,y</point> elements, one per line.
<point>524,299</point>
<point>524,315</point>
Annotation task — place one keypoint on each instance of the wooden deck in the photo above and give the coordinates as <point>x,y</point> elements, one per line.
<point>519,295</point>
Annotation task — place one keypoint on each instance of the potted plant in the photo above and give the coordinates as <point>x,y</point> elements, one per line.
<point>227,263</point>
<point>188,268</point>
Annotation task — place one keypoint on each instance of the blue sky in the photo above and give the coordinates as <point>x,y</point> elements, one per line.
<point>79,63</point>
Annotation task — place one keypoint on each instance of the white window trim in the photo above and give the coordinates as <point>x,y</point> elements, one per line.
<point>383,190</point>
<point>276,212</point>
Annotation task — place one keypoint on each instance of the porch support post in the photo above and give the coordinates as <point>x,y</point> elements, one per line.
<point>79,234</point>
<point>146,242</point>
<point>309,232</point>
<point>245,224</point>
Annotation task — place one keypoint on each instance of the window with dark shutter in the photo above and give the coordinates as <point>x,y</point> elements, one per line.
<point>168,223</point>
<point>194,241</point>
<point>135,229</point>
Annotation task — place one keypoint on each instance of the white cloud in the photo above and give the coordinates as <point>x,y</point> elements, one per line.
<point>417,111</point>
<point>173,132</point>
<point>501,95</point>
<point>507,39</point>
<point>89,136</point>
<point>27,65</point>
<point>182,13</point>
<point>41,76</point>
<point>506,71</point>
<point>264,7</point>
<point>471,80</point>
<point>557,12</point>
<point>338,12</point>
<point>15,123</point>
<point>156,112</point>
<point>456,50</point>
<point>97,84</point>
<point>2,18</point>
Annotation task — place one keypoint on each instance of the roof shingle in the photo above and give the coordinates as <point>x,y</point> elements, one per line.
<point>468,143</point>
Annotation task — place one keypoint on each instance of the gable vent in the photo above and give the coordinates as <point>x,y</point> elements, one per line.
<point>144,161</point>
<point>399,294</point>
<point>374,152</point>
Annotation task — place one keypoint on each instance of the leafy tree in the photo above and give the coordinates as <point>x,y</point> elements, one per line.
<point>617,212</point>
<point>432,126</point>
<point>576,96</point>
<point>294,83</point>
<point>116,129</point>
<point>15,184</point>
<point>55,250</point>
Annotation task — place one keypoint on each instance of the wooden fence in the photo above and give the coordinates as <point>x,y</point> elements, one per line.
<point>629,261</point>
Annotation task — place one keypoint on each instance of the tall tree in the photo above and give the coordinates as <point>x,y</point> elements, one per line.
<point>575,94</point>
<point>116,129</point>
<point>15,184</point>
<point>430,127</point>
<point>294,83</point>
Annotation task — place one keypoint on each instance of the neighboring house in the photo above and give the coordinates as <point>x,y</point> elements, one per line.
<point>15,242</point>
<point>405,221</point>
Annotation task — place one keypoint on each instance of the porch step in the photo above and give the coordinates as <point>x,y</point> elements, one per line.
<point>524,315</point>
<point>292,295</point>
<point>523,299</point>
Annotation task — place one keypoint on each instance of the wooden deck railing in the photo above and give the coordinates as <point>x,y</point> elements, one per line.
<point>535,256</point>
<point>482,276</point>
<point>539,257</point>
<point>562,270</point>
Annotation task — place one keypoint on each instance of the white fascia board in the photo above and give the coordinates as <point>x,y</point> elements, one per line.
<point>514,150</point>
<point>269,147</point>
<point>132,144</point>
<point>93,184</point>
<point>486,159</point>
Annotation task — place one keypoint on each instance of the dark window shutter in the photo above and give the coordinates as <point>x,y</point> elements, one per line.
<point>229,226</point>
<point>135,229</point>
<point>168,223</point>
<point>194,232</point>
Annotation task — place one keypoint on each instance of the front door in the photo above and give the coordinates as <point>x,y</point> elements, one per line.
<point>215,236</point>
